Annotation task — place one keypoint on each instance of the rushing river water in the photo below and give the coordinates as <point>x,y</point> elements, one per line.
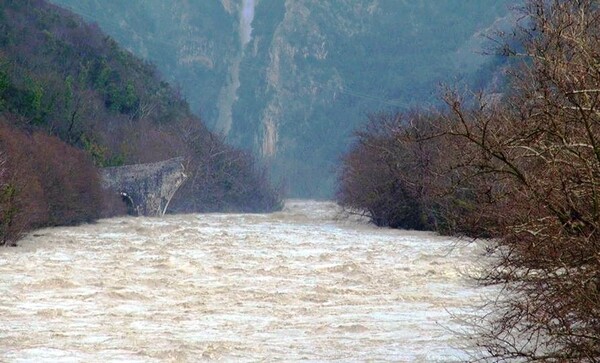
<point>301,284</point>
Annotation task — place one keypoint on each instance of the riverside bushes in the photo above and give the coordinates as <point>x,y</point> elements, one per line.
<point>384,173</point>
<point>44,182</point>
<point>526,170</point>
<point>403,172</point>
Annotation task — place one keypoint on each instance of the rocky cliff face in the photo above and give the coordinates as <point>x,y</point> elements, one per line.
<point>291,79</point>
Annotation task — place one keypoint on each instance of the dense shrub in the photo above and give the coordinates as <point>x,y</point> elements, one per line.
<point>222,178</point>
<point>69,180</point>
<point>403,172</point>
<point>44,182</point>
<point>382,175</point>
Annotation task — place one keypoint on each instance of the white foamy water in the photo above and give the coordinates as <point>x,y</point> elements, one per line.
<point>301,284</point>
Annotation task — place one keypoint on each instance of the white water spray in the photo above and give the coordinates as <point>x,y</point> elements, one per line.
<point>246,18</point>
<point>228,95</point>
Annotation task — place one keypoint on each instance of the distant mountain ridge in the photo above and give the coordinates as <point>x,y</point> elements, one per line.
<point>292,79</point>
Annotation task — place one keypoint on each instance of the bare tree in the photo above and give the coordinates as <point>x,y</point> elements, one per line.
<point>540,149</point>
<point>525,170</point>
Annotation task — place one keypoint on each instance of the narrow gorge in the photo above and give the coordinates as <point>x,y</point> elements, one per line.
<point>291,80</point>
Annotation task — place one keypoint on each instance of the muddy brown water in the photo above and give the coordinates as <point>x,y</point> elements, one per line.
<point>306,283</point>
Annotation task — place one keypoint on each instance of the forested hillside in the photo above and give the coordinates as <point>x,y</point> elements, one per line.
<point>76,101</point>
<point>292,79</point>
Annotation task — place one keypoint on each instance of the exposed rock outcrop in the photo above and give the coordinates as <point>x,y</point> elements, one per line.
<point>146,188</point>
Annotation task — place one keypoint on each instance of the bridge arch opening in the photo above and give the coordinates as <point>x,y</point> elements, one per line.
<point>131,209</point>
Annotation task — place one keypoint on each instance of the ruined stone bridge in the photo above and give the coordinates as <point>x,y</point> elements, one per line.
<point>146,188</point>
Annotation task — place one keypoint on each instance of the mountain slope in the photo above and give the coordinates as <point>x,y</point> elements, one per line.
<point>292,79</point>
<point>61,77</point>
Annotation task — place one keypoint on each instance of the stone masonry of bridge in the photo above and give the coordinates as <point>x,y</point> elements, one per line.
<point>146,188</point>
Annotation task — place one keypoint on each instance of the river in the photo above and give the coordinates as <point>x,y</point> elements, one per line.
<point>306,283</point>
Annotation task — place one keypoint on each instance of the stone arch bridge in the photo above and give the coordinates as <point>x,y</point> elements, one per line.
<point>146,188</point>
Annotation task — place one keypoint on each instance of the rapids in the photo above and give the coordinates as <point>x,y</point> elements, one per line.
<point>306,283</point>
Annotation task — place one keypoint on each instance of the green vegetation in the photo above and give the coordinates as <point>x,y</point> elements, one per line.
<point>313,68</point>
<point>62,82</point>
<point>523,169</point>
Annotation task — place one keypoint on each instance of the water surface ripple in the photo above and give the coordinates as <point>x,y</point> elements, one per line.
<point>302,284</point>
